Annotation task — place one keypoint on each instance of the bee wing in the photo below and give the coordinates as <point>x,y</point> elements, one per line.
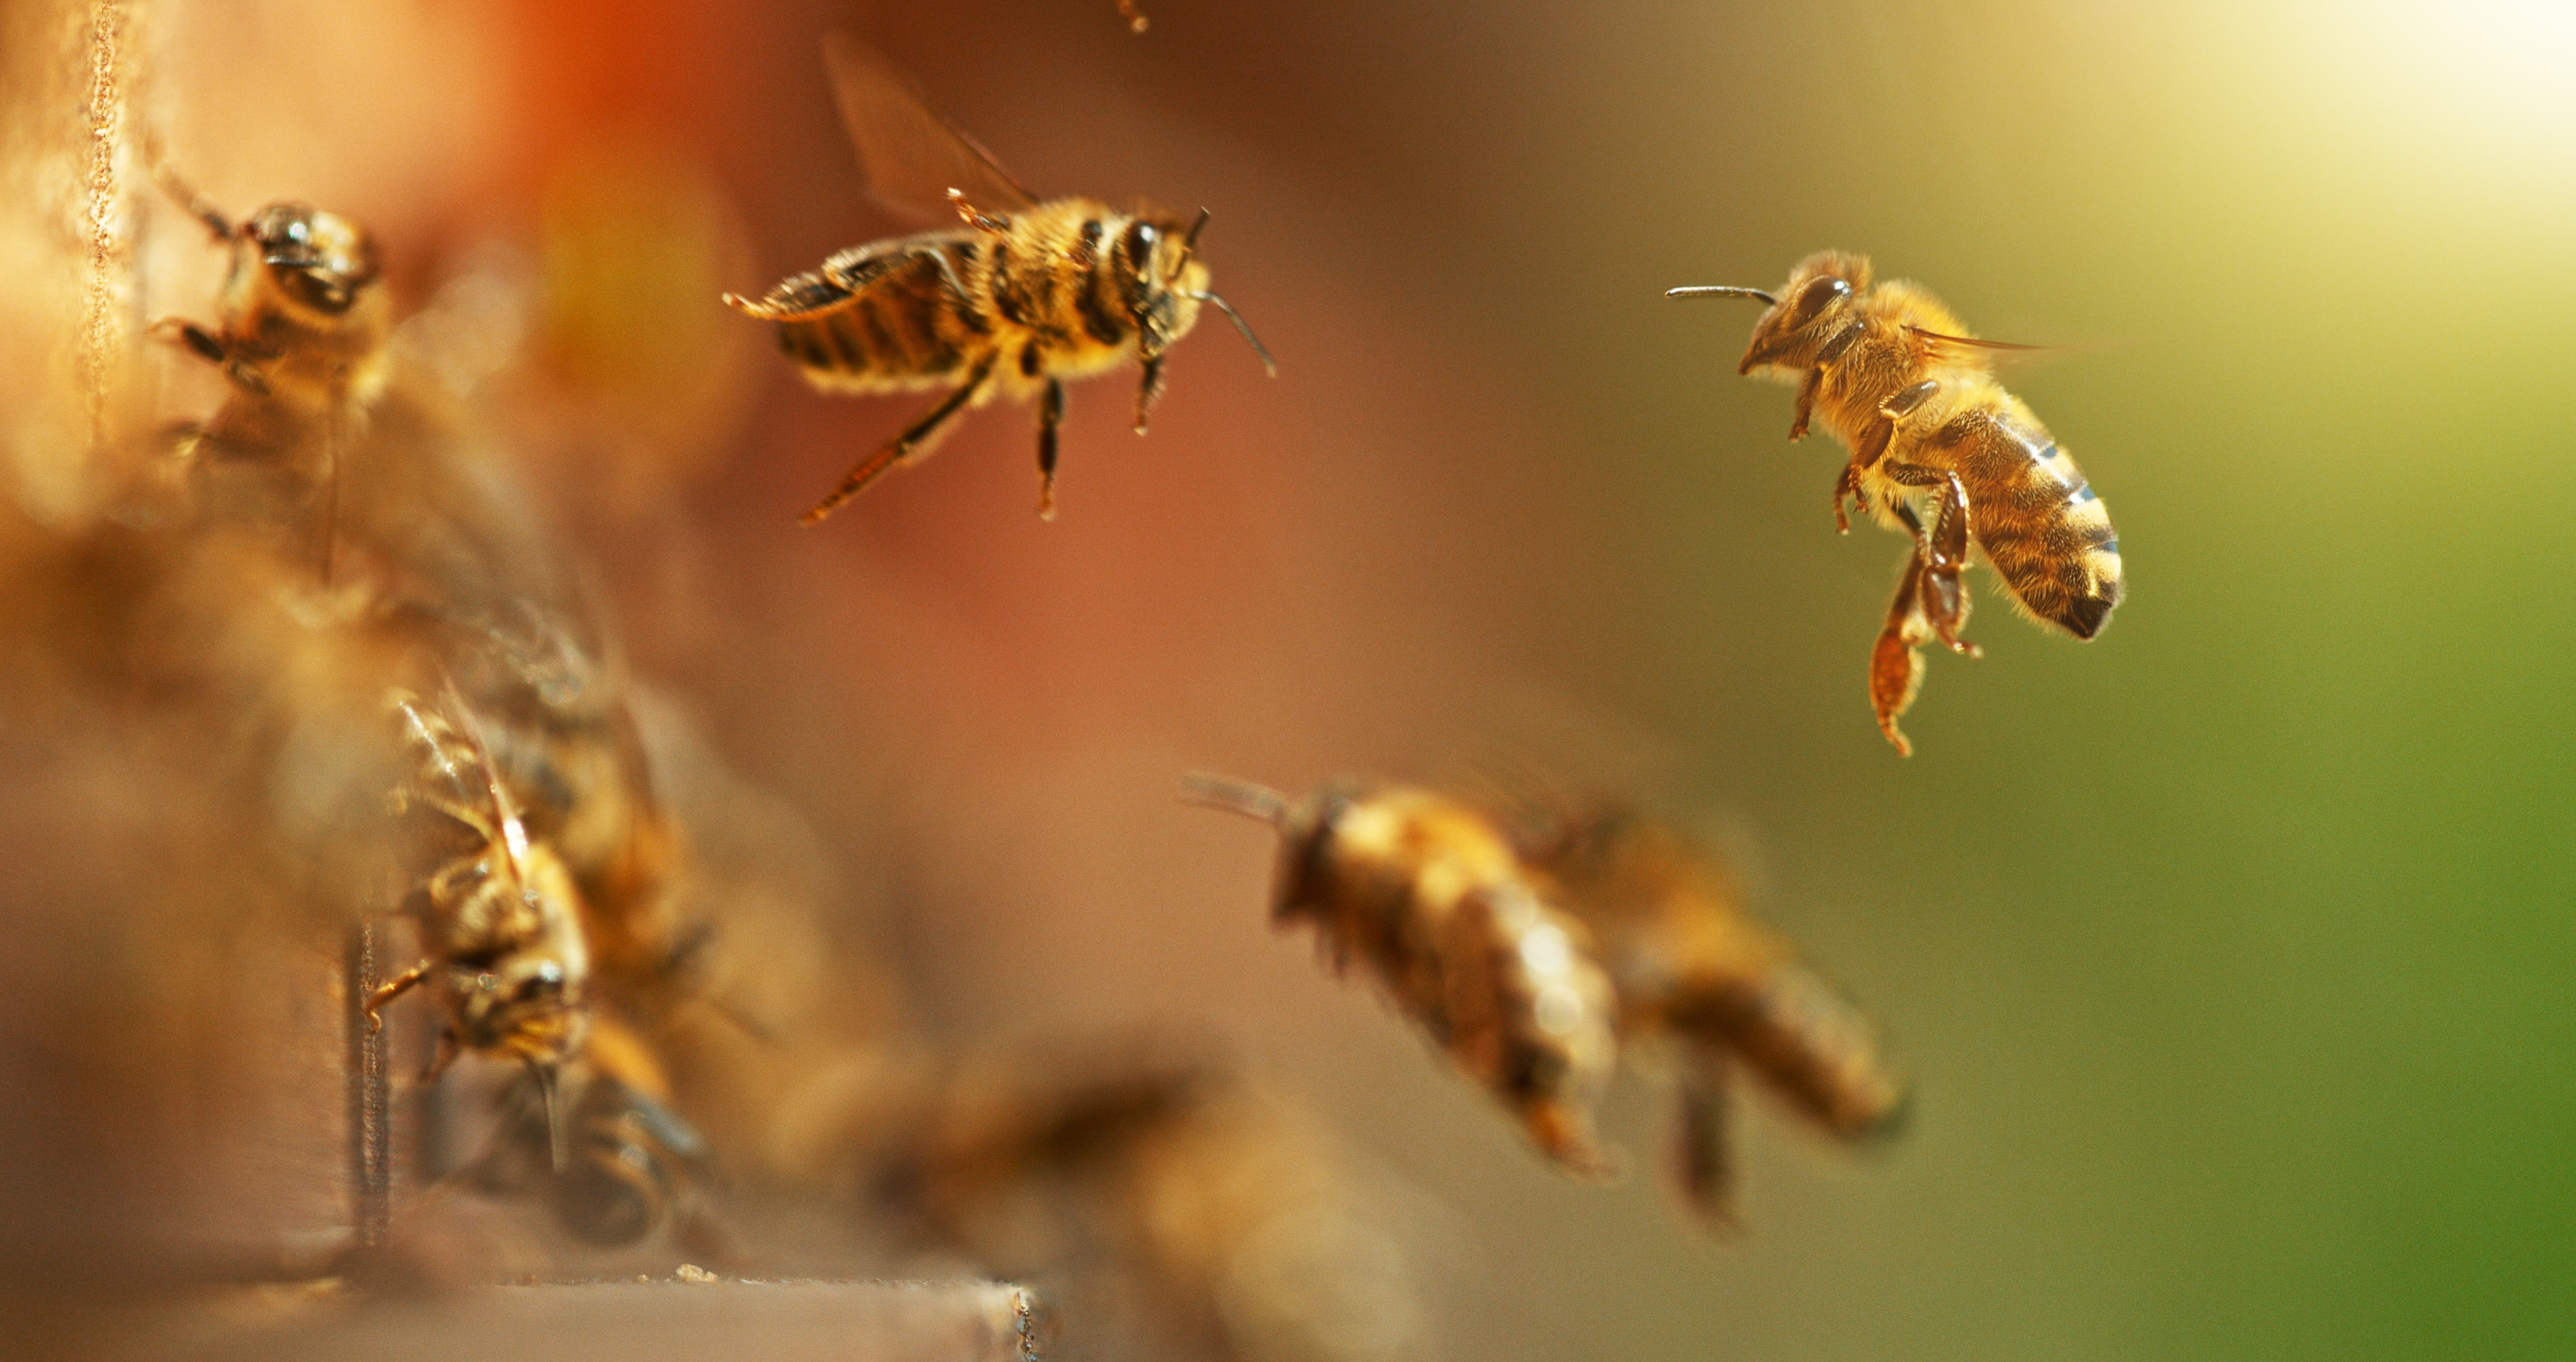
<point>441,761</point>
<point>1989,352</point>
<point>910,155</point>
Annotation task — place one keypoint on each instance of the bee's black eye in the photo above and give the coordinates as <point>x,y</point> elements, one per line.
<point>1815,298</point>
<point>1137,243</point>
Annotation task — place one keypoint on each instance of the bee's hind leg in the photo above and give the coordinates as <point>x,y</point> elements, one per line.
<point>1050,416</point>
<point>1896,662</point>
<point>1943,551</point>
<point>916,440</point>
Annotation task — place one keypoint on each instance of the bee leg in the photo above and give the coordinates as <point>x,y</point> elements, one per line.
<point>391,989</point>
<point>974,217</point>
<point>1943,550</point>
<point>439,1059</point>
<point>1702,1166</point>
<point>1050,416</point>
<point>917,439</point>
<point>181,331</point>
<point>1848,486</point>
<point>1872,447</point>
<point>1896,664</point>
<point>1148,388</point>
<point>1806,407</point>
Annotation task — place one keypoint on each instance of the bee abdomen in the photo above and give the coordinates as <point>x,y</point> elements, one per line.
<point>2044,530</point>
<point>906,322</point>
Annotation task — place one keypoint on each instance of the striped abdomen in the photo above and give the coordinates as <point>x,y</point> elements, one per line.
<point>2036,519</point>
<point>885,315</point>
<point>1054,289</point>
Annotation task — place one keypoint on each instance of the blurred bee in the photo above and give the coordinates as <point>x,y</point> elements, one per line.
<point>499,916</point>
<point>1027,295</point>
<point>633,1165</point>
<point>1166,1207</point>
<point>1689,965</point>
<point>302,341</point>
<point>1895,376</point>
<point>1136,20</point>
<point>554,711</point>
<point>1428,893</point>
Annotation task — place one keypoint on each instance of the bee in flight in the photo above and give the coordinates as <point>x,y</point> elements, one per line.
<point>1025,296</point>
<point>1693,969</point>
<point>508,963</point>
<point>1428,894</point>
<point>1898,380</point>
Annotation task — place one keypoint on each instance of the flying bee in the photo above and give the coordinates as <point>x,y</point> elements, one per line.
<point>1897,379</point>
<point>1691,966</point>
<point>1027,295</point>
<point>1427,893</point>
<point>499,915</point>
<point>302,341</point>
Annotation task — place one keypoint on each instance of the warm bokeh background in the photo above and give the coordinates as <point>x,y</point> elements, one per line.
<point>2230,952</point>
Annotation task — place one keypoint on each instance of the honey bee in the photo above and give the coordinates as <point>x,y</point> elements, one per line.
<point>633,1164</point>
<point>554,710</point>
<point>1896,378</point>
<point>1428,894</point>
<point>1028,295</point>
<point>302,342</point>
<point>1167,1207</point>
<point>499,916</point>
<point>1691,966</point>
<point>1136,20</point>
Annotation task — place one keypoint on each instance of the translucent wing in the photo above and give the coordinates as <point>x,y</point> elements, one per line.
<point>910,155</point>
<point>1990,352</point>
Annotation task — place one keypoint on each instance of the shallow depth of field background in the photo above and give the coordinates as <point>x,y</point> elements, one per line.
<point>2230,953</point>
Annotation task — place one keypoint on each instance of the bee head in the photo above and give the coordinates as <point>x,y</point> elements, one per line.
<point>1305,833</point>
<point>1158,258</point>
<point>1809,309</point>
<point>1307,870</point>
<point>320,261</point>
<point>529,1007</point>
<point>1167,283</point>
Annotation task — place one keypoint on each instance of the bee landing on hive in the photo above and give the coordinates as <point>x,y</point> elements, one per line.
<point>1894,376</point>
<point>1030,293</point>
<point>508,964</point>
<point>303,342</point>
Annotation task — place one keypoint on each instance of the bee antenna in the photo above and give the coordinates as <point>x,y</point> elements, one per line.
<point>1720,291</point>
<point>558,1144</point>
<point>1235,317</point>
<point>1258,802</point>
<point>1190,238</point>
<point>198,205</point>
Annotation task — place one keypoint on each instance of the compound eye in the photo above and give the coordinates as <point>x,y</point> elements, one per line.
<point>1815,298</point>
